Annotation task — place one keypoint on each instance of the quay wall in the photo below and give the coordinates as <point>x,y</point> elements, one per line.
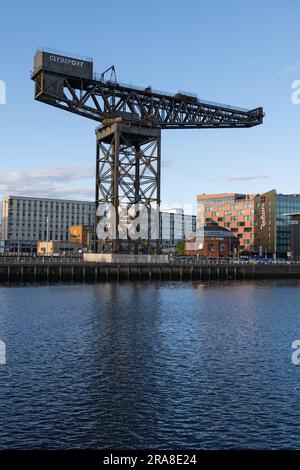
<point>84,272</point>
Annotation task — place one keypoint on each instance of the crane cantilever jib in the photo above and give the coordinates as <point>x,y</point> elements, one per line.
<point>128,142</point>
<point>72,86</point>
<point>99,100</point>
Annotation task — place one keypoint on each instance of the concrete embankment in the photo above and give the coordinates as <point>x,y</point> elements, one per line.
<point>55,272</point>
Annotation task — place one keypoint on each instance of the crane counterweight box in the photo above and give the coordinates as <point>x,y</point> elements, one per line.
<point>58,63</point>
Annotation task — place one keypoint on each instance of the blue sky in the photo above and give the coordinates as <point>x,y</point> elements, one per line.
<point>242,53</point>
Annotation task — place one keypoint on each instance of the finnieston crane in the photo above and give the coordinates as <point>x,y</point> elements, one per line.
<point>128,150</point>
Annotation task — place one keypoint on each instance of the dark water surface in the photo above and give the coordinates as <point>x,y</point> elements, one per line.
<point>166,365</point>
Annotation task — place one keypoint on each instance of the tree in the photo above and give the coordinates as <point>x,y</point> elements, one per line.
<point>179,250</point>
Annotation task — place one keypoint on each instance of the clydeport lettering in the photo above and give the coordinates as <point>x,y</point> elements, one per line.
<point>66,60</point>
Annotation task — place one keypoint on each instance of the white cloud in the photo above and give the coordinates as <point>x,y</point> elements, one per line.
<point>242,178</point>
<point>69,173</point>
<point>246,178</point>
<point>58,182</point>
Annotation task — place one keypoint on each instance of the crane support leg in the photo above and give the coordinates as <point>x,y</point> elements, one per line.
<point>128,170</point>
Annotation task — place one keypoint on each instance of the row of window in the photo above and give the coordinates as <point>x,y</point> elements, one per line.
<point>52,204</point>
<point>38,236</point>
<point>235,219</point>
<point>41,214</point>
<point>218,200</point>
<point>229,213</point>
<point>33,224</point>
<point>234,207</point>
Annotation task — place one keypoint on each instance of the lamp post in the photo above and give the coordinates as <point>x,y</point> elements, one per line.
<point>47,234</point>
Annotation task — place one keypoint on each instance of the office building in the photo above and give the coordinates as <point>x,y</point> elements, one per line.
<point>273,231</point>
<point>294,246</point>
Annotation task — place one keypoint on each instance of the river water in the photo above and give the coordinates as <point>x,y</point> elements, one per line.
<point>150,365</point>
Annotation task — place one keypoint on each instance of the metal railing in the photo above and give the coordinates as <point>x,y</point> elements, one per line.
<point>40,260</point>
<point>234,262</point>
<point>64,54</point>
<point>15,260</point>
<point>98,77</point>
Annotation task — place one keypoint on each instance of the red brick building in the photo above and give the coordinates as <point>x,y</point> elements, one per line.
<point>214,242</point>
<point>235,212</point>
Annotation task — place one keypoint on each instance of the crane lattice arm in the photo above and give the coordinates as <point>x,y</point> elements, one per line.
<point>100,100</point>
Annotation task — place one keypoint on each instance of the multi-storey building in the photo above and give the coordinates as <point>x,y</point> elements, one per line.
<point>295,235</point>
<point>273,223</point>
<point>235,212</point>
<point>26,220</point>
<point>175,226</point>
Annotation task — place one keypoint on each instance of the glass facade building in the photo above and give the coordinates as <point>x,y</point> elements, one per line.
<point>285,204</point>
<point>273,225</point>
